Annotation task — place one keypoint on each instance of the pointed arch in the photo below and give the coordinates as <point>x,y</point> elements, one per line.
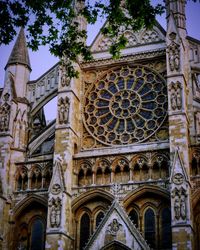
<point>145,189</point>
<point>27,201</point>
<point>85,197</point>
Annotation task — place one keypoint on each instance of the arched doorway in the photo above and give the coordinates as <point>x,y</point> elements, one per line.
<point>30,224</point>
<point>115,245</point>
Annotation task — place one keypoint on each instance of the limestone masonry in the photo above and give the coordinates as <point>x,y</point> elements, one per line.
<point>119,168</point>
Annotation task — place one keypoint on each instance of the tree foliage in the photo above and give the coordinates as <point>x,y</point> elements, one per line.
<point>56,23</point>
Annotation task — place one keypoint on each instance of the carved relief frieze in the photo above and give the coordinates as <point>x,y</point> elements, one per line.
<point>63,110</point>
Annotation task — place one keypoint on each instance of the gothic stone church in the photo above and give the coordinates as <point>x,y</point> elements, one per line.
<point>119,168</point>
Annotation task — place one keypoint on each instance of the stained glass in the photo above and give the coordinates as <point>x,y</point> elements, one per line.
<point>126,105</point>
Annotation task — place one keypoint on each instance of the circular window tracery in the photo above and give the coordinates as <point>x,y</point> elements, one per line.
<point>127,105</point>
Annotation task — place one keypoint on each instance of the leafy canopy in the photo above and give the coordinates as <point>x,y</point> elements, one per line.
<point>57,23</point>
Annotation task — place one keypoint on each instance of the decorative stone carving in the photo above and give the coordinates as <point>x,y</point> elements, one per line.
<point>178,178</point>
<point>56,188</point>
<point>179,196</point>
<point>63,110</point>
<point>65,80</point>
<point>177,209</point>
<point>55,212</point>
<point>115,188</point>
<point>174,57</point>
<point>115,231</point>
<point>133,38</point>
<point>173,51</point>
<point>111,106</point>
<point>4,117</point>
<point>196,79</point>
<point>175,95</point>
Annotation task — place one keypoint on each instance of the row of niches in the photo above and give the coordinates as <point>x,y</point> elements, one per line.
<point>122,171</point>
<point>33,178</point>
<point>126,105</point>
<point>195,171</point>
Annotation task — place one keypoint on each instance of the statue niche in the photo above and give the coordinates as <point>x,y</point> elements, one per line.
<point>55,212</point>
<point>4,117</point>
<point>63,110</point>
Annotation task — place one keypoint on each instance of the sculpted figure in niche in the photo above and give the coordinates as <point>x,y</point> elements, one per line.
<point>173,101</point>
<point>63,110</point>
<point>55,212</point>
<point>179,97</point>
<point>183,208</point>
<point>174,56</point>
<point>177,211</point>
<point>176,96</point>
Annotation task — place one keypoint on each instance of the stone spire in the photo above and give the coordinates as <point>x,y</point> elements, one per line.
<point>19,54</point>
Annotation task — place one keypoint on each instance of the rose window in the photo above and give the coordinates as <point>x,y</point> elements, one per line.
<point>127,105</point>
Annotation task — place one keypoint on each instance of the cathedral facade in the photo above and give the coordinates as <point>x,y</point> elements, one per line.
<point>119,167</point>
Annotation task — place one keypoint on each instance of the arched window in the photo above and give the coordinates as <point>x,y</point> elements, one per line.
<point>19,183</point>
<point>37,235</point>
<point>84,230</point>
<point>194,167</point>
<point>136,173</point>
<point>126,173</point>
<point>118,176</point>
<point>81,181</point>
<point>47,179</point>
<point>107,174</point>
<point>99,176</point>
<point>134,217</point>
<point>166,228</point>
<point>149,227</point>
<point>99,218</point>
<point>89,177</point>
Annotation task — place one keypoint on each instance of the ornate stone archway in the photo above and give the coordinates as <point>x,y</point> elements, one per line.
<point>115,245</point>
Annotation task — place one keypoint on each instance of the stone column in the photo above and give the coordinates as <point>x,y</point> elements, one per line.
<point>178,72</point>
<point>60,227</point>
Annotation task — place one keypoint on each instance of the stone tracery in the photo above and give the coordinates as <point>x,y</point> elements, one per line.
<point>127,105</point>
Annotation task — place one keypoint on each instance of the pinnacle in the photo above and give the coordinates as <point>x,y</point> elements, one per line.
<point>19,54</point>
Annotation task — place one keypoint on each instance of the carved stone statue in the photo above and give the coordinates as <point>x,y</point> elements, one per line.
<point>179,98</point>
<point>174,56</point>
<point>173,101</point>
<point>177,209</point>
<point>176,95</point>
<point>183,208</point>
<point>55,212</point>
<point>63,110</point>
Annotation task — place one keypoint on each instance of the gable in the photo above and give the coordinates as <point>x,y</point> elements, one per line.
<point>137,38</point>
<point>178,172</point>
<point>116,229</point>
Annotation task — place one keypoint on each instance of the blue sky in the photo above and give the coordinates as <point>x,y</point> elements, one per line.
<point>42,60</point>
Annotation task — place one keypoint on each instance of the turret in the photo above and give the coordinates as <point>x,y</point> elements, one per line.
<point>177,8</point>
<point>19,65</point>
